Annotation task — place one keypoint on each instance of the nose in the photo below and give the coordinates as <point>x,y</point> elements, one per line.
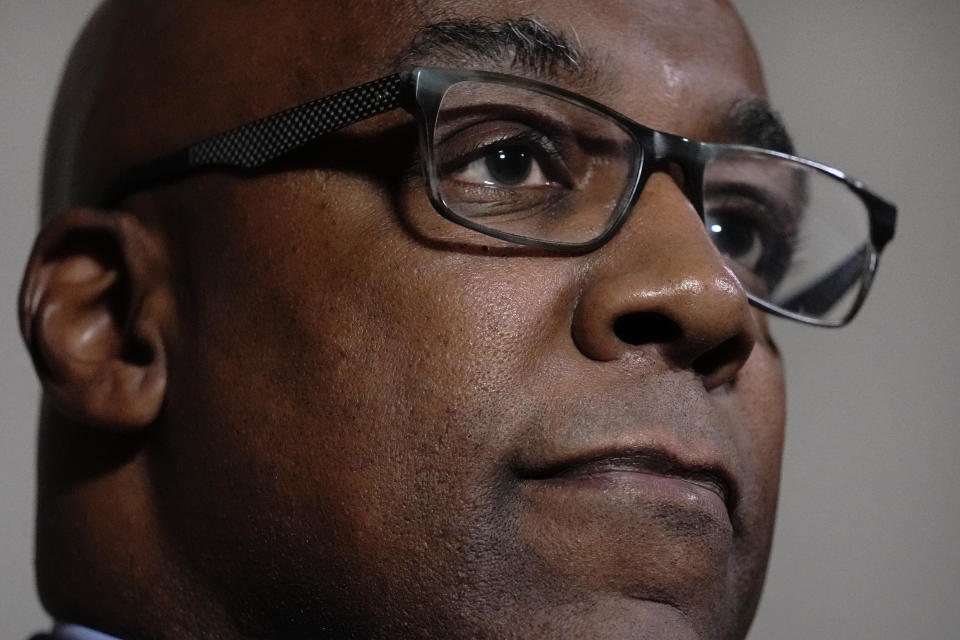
<point>661,286</point>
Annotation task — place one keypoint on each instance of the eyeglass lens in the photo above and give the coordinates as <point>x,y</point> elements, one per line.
<point>514,160</point>
<point>530,164</point>
<point>797,238</point>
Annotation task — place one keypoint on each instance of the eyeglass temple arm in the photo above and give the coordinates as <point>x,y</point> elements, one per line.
<point>820,297</point>
<point>253,145</point>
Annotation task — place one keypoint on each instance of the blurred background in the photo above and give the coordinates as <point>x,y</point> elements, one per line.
<point>866,543</point>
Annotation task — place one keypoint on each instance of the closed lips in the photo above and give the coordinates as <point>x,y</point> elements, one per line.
<point>651,471</point>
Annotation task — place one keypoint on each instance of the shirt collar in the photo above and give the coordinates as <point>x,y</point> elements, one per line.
<point>76,632</point>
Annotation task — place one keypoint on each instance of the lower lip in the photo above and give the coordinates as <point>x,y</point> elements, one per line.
<point>650,488</point>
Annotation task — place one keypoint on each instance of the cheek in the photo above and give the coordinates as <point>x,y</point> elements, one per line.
<point>367,395</point>
<point>414,370</point>
<point>762,400</point>
<point>424,364</point>
<point>760,403</point>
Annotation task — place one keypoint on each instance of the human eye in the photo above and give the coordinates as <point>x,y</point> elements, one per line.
<point>510,163</point>
<point>736,235</point>
<point>529,165</point>
<point>752,230</point>
<point>509,169</point>
<point>503,155</point>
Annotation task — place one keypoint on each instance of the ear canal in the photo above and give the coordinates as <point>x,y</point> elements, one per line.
<point>96,346</point>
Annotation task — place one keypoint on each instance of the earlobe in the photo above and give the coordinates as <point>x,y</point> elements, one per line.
<point>92,309</point>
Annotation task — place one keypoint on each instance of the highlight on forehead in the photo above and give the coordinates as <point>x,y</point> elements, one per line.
<point>521,44</point>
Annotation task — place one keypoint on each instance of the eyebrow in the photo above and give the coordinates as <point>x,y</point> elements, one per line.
<point>527,46</point>
<point>754,123</point>
<point>522,45</point>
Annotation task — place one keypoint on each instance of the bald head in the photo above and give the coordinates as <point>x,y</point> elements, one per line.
<point>149,76</point>
<point>297,401</point>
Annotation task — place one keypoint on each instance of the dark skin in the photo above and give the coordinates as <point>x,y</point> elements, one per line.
<point>275,408</point>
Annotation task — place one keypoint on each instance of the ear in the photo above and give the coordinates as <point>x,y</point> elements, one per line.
<point>92,308</point>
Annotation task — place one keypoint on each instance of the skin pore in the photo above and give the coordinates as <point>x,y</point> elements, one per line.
<point>276,406</point>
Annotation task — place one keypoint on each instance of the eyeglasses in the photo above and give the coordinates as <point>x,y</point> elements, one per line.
<point>537,165</point>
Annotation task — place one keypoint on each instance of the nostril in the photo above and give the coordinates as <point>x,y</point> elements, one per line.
<point>731,350</point>
<point>646,328</point>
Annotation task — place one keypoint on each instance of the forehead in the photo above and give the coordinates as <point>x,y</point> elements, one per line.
<point>644,58</point>
<point>182,70</point>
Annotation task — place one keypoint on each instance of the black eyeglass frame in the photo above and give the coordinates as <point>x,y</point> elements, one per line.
<point>420,91</point>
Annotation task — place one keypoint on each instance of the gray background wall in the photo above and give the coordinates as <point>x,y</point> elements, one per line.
<point>866,542</point>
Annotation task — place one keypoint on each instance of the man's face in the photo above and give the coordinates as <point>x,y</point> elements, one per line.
<point>369,427</point>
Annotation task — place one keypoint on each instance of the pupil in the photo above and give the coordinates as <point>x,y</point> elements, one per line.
<point>732,239</point>
<point>509,167</point>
